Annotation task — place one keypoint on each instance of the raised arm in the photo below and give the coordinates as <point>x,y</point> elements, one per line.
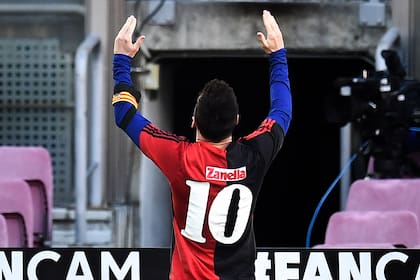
<point>125,97</point>
<point>273,44</point>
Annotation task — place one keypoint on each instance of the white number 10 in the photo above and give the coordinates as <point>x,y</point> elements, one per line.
<point>217,216</point>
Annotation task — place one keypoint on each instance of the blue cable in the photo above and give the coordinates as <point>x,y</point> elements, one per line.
<point>310,228</point>
<point>415,129</point>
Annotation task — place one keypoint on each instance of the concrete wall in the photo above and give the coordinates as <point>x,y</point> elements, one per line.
<point>206,26</point>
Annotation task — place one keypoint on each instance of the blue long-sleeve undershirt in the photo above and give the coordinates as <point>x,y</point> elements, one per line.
<point>122,75</point>
<point>280,97</point>
<point>121,69</point>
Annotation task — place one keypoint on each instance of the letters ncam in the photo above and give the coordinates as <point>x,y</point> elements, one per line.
<point>225,174</point>
<point>80,267</point>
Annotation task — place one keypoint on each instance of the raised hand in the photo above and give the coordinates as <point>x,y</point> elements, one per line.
<point>123,43</point>
<point>274,39</point>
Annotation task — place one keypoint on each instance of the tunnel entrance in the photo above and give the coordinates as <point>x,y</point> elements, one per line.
<point>310,158</point>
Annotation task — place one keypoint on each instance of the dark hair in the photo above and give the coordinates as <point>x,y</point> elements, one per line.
<point>216,110</point>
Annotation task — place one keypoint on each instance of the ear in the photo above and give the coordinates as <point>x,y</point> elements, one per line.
<point>193,124</point>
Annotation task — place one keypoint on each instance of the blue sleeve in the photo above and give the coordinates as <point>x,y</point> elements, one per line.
<point>122,76</point>
<point>122,64</point>
<point>280,96</point>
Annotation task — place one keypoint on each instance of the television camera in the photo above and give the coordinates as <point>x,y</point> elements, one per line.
<point>384,108</point>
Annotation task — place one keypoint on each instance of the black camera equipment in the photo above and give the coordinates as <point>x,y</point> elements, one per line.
<point>384,107</point>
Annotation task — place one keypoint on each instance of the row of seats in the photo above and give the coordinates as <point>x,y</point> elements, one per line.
<point>379,213</point>
<point>26,196</point>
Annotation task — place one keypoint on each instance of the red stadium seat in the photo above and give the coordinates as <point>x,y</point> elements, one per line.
<point>17,209</point>
<point>4,239</point>
<point>34,165</point>
<point>374,229</point>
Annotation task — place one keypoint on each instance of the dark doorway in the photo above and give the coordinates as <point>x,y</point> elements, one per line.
<point>310,158</point>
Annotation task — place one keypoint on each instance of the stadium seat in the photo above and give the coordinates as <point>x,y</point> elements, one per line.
<point>34,165</point>
<point>4,239</point>
<point>385,194</point>
<point>356,245</point>
<point>17,209</point>
<point>372,229</point>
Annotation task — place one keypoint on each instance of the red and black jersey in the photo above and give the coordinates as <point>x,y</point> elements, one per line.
<point>214,191</point>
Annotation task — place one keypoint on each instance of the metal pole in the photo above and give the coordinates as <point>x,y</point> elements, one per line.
<point>81,83</point>
<point>345,154</point>
<point>386,42</point>
<point>42,8</point>
<point>98,22</point>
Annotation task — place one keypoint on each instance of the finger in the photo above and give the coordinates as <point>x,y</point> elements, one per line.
<point>128,27</point>
<point>132,26</point>
<point>266,20</point>
<point>270,21</point>
<point>139,41</point>
<point>262,39</point>
<point>274,25</point>
<point>125,26</point>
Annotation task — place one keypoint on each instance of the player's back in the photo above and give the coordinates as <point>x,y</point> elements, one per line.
<point>214,192</point>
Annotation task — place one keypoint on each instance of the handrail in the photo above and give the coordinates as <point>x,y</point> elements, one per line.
<point>386,42</point>
<point>81,83</point>
<point>42,8</point>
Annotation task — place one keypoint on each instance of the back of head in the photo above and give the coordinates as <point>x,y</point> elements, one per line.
<point>216,110</point>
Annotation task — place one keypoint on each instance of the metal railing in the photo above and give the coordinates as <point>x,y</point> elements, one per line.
<point>43,8</point>
<point>86,60</point>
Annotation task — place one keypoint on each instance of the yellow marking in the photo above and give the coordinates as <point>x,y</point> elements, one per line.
<point>126,97</point>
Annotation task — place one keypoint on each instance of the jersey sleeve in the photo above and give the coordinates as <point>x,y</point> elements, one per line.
<point>158,145</point>
<point>268,137</point>
<point>280,96</point>
<point>126,99</point>
<point>163,148</point>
